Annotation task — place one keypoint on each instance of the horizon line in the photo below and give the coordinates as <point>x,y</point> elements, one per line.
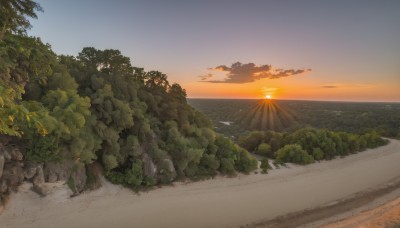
<point>349,101</point>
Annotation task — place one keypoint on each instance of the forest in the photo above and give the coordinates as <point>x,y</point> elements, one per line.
<point>290,115</point>
<point>306,145</point>
<point>98,107</point>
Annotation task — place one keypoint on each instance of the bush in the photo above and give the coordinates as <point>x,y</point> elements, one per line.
<point>265,165</point>
<point>227,166</point>
<point>264,149</point>
<point>318,154</point>
<point>43,149</point>
<point>293,153</point>
<point>109,161</point>
<point>245,162</point>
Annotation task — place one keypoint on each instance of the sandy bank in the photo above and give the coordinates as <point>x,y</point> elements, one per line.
<point>386,215</point>
<point>221,202</point>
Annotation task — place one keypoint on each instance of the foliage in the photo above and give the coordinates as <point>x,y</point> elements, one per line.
<point>264,149</point>
<point>352,117</point>
<point>306,145</point>
<point>43,149</point>
<point>13,15</point>
<point>293,153</point>
<point>97,106</point>
<point>265,165</point>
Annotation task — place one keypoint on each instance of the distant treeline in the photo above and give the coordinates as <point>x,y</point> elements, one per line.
<point>307,145</point>
<point>354,117</point>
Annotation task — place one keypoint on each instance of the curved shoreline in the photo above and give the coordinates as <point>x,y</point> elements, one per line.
<point>219,202</point>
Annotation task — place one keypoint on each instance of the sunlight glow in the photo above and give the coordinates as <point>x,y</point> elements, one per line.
<point>266,115</point>
<point>268,97</point>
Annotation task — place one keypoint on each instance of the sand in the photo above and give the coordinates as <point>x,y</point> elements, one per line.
<point>387,215</point>
<point>220,202</point>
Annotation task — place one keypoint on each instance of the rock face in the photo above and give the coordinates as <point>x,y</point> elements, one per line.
<point>169,169</point>
<point>170,165</point>
<point>11,169</point>
<point>14,170</point>
<point>38,182</point>
<point>54,171</point>
<point>78,175</point>
<point>30,170</point>
<point>74,174</point>
<point>93,173</point>
<point>149,167</point>
<point>2,161</point>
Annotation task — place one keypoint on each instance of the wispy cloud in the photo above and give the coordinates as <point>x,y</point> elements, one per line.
<point>206,76</point>
<point>330,86</point>
<point>338,85</point>
<point>245,73</point>
<point>269,90</point>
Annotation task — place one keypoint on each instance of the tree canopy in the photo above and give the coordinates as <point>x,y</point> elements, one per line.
<point>97,106</point>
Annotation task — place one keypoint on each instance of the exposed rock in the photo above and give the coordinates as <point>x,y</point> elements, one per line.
<point>42,189</point>
<point>75,174</point>
<point>16,154</point>
<point>6,153</point>
<point>93,173</point>
<point>149,167</point>
<point>13,173</point>
<point>2,160</point>
<point>39,177</point>
<point>167,170</point>
<point>3,186</point>
<point>11,152</point>
<point>57,171</point>
<point>30,170</point>
<point>38,182</point>
<point>79,177</point>
<point>169,164</point>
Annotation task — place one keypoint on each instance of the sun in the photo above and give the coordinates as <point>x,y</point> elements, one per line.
<point>268,97</point>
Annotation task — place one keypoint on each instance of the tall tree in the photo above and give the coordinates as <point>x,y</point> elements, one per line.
<point>14,13</point>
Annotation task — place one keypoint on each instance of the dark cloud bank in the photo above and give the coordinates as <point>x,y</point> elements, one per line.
<point>244,73</point>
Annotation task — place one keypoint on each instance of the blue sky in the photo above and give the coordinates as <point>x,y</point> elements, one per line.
<point>343,42</point>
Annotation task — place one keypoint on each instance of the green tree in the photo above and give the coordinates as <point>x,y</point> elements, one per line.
<point>293,153</point>
<point>245,162</point>
<point>318,154</point>
<point>251,141</point>
<point>14,13</point>
<point>264,149</point>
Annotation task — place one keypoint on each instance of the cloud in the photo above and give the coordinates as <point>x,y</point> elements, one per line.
<point>206,76</point>
<point>269,90</point>
<point>245,73</point>
<point>330,86</point>
<point>340,85</point>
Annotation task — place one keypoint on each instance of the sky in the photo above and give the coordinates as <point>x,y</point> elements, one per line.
<point>300,50</point>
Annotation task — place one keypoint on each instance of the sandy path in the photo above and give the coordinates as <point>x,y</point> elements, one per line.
<point>221,202</point>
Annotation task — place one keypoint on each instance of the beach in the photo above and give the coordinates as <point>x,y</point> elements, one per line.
<point>244,200</point>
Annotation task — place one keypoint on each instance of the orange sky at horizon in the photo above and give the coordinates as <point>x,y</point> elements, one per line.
<point>295,88</point>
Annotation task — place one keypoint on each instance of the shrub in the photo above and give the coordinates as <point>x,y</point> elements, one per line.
<point>264,149</point>
<point>293,153</point>
<point>265,165</point>
<point>318,154</point>
<point>109,161</point>
<point>245,162</point>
